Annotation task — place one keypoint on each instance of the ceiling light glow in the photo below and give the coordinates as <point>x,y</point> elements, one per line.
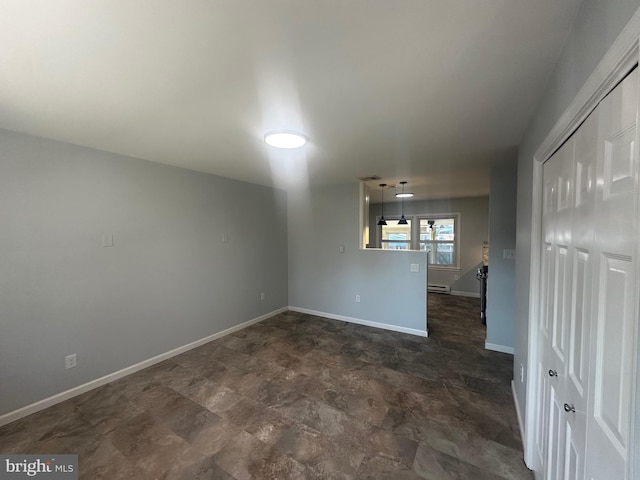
<point>284,139</point>
<point>403,194</point>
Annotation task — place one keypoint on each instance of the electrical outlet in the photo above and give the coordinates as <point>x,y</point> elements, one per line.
<point>70,361</point>
<point>357,298</point>
<point>415,267</point>
<point>521,373</point>
<point>262,296</point>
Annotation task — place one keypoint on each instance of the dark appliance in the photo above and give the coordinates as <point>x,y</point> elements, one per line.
<point>482,274</point>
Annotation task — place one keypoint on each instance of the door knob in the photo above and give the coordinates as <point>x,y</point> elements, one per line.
<point>569,408</point>
<point>553,373</point>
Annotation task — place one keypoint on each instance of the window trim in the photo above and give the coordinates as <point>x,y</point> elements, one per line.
<point>414,242</point>
<point>410,240</point>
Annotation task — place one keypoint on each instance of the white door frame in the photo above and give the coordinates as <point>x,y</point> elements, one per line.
<point>615,65</point>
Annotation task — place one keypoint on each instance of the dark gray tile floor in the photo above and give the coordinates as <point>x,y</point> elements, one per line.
<point>299,396</point>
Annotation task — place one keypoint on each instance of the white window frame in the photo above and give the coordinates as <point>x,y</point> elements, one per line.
<point>415,235</point>
<point>456,239</point>
<point>410,241</point>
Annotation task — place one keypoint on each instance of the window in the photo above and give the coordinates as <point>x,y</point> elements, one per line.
<point>396,237</point>
<point>434,232</point>
<point>438,235</point>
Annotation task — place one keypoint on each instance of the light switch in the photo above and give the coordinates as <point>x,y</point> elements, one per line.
<point>509,253</point>
<point>341,248</point>
<point>107,239</point>
<point>415,267</point>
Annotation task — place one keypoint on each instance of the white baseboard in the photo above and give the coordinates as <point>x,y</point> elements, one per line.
<point>499,348</point>
<point>519,415</point>
<point>460,293</point>
<point>80,389</point>
<point>368,323</point>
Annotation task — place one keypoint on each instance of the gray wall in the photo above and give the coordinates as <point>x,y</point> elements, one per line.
<point>323,279</point>
<point>167,281</point>
<point>502,235</point>
<point>474,219</point>
<point>596,27</point>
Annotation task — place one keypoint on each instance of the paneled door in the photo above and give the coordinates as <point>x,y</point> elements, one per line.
<point>566,271</point>
<point>615,291</point>
<point>546,372</point>
<point>589,291</point>
<point>578,313</point>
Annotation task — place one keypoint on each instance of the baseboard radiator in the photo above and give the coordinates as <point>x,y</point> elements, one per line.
<point>439,289</point>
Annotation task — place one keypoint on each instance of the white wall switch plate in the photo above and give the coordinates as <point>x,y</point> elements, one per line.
<point>70,361</point>
<point>415,267</point>
<point>357,298</point>
<point>341,248</point>
<point>107,239</point>
<point>262,296</point>
<point>225,238</point>
<point>509,253</point>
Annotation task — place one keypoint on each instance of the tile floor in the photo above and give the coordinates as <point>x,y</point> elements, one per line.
<point>300,397</point>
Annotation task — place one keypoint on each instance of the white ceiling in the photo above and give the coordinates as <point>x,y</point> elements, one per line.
<point>429,91</point>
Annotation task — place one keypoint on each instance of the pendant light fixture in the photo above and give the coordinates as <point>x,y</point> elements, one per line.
<point>402,221</point>
<point>382,221</point>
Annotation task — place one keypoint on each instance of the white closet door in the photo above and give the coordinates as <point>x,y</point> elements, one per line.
<point>589,291</point>
<point>578,301</point>
<point>564,447</point>
<point>557,347</point>
<point>546,380</point>
<point>615,291</point>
